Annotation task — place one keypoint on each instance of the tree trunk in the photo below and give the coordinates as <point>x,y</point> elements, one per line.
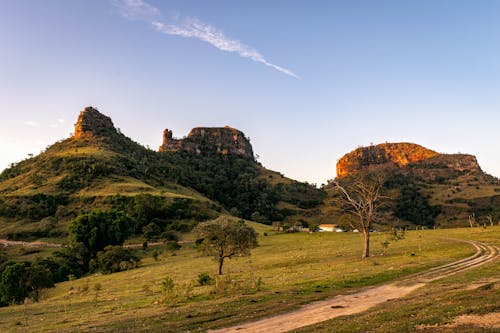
<point>366,250</point>
<point>221,262</point>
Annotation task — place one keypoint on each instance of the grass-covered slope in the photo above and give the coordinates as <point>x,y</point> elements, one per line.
<point>283,273</point>
<point>98,162</point>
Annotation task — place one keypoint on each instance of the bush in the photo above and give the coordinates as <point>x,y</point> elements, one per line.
<point>172,246</point>
<point>115,259</point>
<point>204,279</point>
<point>167,286</point>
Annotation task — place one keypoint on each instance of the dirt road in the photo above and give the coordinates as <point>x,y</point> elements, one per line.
<point>5,242</point>
<point>361,301</point>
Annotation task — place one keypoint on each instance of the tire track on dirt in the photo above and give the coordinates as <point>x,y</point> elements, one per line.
<point>343,305</point>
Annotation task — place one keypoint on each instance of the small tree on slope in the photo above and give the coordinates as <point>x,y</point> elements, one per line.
<point>225,238</point>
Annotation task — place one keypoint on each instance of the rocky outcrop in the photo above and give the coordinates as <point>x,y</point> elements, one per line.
<point>92,123</point>
<point>385,154</point>
<point>457,162</point>
<point>400,155</point>
<point>210,140</point>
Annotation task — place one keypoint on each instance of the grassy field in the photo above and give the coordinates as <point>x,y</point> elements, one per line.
<point>284,272</point>
<point>473,295</point>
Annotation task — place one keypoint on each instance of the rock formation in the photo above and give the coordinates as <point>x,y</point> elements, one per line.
<point>210,140</point>
<point>92,123</point>
<point>401,155</point>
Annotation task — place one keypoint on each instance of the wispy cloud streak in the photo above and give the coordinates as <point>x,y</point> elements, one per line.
<point>136,9</point>
<point>194,28</point>
<point>31,123</point>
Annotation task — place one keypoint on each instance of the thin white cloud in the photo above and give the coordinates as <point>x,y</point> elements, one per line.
<point>31,123</point>
<point>194,28</point>
<point>136,9</point>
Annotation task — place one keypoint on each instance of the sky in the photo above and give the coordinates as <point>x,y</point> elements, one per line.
<point>307,81</point>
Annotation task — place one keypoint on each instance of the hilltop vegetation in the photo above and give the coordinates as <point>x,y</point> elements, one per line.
<point>424,188</point>
<point>99,167</point>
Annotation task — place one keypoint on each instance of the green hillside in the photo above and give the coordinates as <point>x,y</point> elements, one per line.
<point>98,163</point>
<point>423,188</point>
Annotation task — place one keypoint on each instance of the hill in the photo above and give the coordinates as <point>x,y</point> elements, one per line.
<point>211,171</point>
<point>428,188</point>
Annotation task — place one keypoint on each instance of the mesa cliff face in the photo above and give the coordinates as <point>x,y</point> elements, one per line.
<point>401,155</point>
<point>210,140</point>
<point>385,154</point>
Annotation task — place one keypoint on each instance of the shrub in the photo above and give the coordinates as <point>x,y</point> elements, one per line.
<point>115,259</point>
<point>204,279</point>
<point>167,286</point>
<point>173,246</point>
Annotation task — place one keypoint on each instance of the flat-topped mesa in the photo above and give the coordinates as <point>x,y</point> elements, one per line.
<point>92,123</point>
<point>385,154</point>
<point>210,140</point>
<point>401,155</point>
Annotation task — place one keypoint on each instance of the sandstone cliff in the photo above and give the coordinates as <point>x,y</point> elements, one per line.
<point>92,123</point>
<point>210,140</point>
<point>401,155</point>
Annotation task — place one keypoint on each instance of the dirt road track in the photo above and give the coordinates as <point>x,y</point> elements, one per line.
<point>343,305</point>
<point>5,242</point>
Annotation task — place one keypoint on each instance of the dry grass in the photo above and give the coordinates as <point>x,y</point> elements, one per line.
<point>293,268</point>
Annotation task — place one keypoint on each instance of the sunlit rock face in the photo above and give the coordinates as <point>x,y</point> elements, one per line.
<point>210,140</point>
<point>385,154</point>
<point>92,123</point>
<point>416,158</point>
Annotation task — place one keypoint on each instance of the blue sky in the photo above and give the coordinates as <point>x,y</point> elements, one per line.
<point>307,81</point>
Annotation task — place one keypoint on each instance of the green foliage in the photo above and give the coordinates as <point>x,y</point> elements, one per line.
<point>38,277</point>
<point>412,206</point>
<point>225,238</point>
<point>13,284</point>
<point>155,254</point>
<point>172,246</point>
<point>167,286</point>
<point>21,280</point>
<point>204,279</point>
<point>237,184</point>
<point>71,261</point>
<point>300,194</point>
<point>115,259</point>
<point>97,229</point>
<point>81,171</point>
<point>34,207</point>
<point>157,214</point>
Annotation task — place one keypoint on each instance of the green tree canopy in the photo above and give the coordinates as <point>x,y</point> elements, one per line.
<point>225,238</point>
<point>97,229</point>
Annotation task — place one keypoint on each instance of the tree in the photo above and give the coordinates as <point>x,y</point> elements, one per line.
<point>38,277</point>
<point>98,229</point>
<point>360,196</point>
<point>115,259</point>
<point>13,283</point>
<point>225,238</point>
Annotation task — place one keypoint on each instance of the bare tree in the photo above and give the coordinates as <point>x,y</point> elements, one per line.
<point>490,219</point>
<point>362,197</point>
<point>472,220</point>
